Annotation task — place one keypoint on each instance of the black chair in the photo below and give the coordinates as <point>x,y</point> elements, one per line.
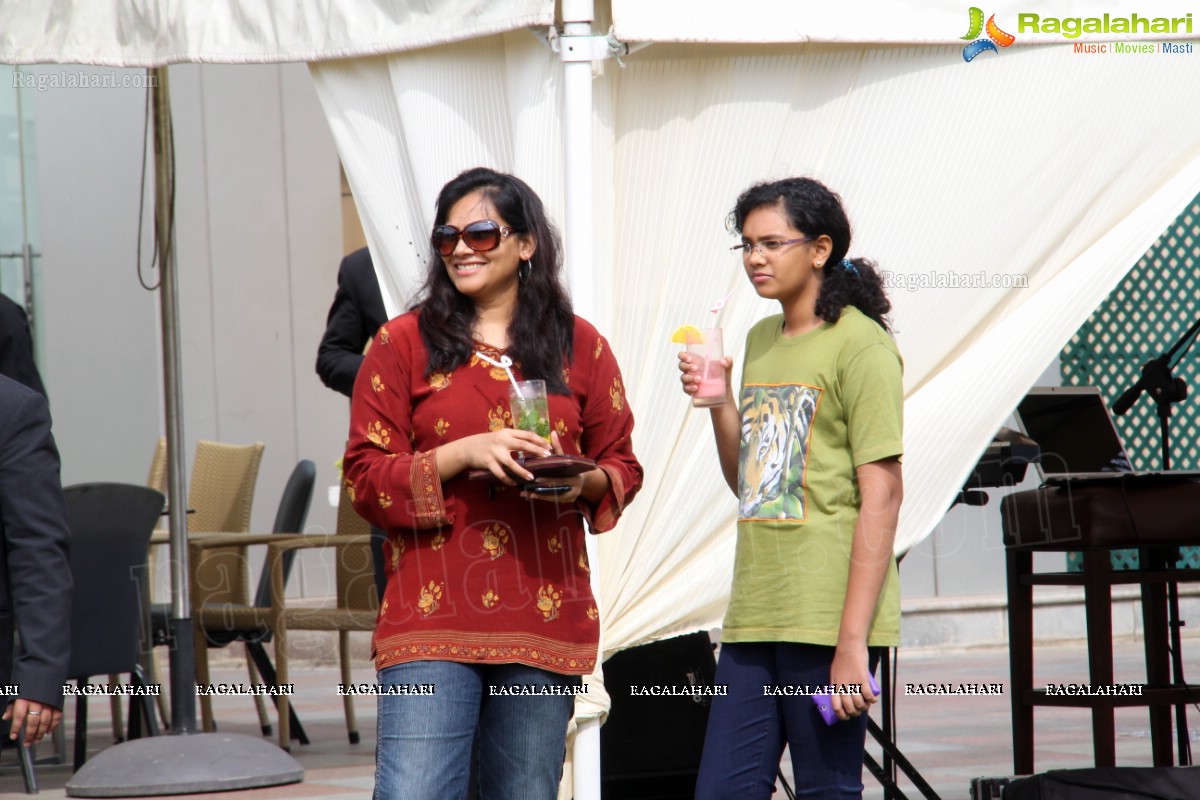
<point>110,527</point>
<point>224,622</point>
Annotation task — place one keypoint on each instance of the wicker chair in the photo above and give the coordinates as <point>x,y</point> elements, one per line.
<point>357,602</point>
<point>219,621</point>
<point>220,498</point>
<point>157,479</point>
<point>355,610</point>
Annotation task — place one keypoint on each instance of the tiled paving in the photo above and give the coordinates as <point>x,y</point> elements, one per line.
<point>950,740</point>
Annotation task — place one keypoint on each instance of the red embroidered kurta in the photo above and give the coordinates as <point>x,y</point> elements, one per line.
<point>473,578</point>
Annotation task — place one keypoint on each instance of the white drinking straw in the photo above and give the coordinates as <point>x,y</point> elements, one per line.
<point>505,363</point>
<point>716,308</point>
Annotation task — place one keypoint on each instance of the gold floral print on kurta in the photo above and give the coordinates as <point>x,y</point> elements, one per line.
<point>487,616</point>
<point>617,393</point>
<point>441,426</point>
<point>499,418</point>
<point>397,551</point>
<point>497,373</point>
<point>377,383</point>
<point>552,544</point>
<point>379,435</point>
<point>583,562</point>
<point>438,381</point>
<point>549,600</point>
<point>566,373</point>
<point>593,613</point>
<point>385,500</point>
<point>495,536</point>
<point>350,493</point>
<point>599,349</point>
<point>427,602</point>
<point>384,336</point>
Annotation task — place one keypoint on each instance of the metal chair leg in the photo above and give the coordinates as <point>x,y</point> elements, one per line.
<point>264,720</point>
<point>80,730</point>
<point>26,759</point>
<point>347,700</point>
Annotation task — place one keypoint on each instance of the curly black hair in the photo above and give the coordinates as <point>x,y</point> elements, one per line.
<point>542,331</point>
<point>814,209</point>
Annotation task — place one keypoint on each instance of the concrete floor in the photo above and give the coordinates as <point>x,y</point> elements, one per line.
<point>950,740</point>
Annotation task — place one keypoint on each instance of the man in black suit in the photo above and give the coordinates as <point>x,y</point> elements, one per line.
<point>35,571</point>
<point>355,316</point>
<point>16,346</point>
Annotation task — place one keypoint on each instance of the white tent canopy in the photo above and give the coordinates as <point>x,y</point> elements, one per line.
<point>144,33</point>
<point>982,169</point>
<point>1039,171</point>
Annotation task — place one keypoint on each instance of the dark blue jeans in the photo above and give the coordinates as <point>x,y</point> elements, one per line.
<point>424,742</point>
<point>747,729</point>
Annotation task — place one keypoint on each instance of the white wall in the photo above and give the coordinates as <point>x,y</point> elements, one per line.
<point>259,239</point>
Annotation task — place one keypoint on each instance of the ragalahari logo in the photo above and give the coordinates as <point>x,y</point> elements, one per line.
<point>995,36</point>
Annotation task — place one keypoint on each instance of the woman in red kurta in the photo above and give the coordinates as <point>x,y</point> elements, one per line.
<point>488,598</point>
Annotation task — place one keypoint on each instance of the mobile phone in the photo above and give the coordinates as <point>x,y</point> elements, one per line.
<point>541,489</point>
<point>825,707</point>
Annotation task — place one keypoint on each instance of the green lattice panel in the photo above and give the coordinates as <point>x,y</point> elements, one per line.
<point>1143,317</point>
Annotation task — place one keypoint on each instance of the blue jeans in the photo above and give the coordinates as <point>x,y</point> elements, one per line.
<point>748,729</point>
<point>423,750</point>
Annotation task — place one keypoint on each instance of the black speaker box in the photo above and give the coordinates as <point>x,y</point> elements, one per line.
<point>1109,783</point>
<point>650,746</point>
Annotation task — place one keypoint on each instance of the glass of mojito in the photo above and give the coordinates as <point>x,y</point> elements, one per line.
<point>530,408</point>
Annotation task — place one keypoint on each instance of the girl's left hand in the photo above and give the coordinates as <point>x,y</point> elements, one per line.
<point>574,484</point>
<point>851,665</point>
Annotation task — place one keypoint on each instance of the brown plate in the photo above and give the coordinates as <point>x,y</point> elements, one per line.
<point>546,467</point>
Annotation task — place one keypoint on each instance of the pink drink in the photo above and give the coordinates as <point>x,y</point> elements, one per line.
<point>711,391</point>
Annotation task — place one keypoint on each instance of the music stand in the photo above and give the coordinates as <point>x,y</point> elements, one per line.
<point>1158,380</point>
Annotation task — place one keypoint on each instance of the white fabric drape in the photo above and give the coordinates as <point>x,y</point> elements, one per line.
<point>896,21</point>
<point>985,169</point>
<point>149,33</point>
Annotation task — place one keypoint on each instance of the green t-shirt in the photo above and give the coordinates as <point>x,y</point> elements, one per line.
<point>814,407</point>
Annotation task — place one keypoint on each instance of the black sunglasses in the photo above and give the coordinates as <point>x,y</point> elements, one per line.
<point>479,236</point>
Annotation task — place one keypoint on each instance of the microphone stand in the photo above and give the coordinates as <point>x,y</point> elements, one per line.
<point>1166,389</point>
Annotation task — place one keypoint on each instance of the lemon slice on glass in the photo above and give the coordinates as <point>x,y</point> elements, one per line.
<point>687,334</point>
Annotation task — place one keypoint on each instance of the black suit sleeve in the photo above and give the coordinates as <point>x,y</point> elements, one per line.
<point>355,316</point>
<point>16,346</point>
<point>36,558</point>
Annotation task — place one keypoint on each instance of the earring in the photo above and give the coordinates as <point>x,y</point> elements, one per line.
<point>523,270</point>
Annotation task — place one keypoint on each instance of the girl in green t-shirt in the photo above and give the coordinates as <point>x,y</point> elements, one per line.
<point>812,450</point>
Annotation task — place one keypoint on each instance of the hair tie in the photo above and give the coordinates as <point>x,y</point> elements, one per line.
<point>848,265</point>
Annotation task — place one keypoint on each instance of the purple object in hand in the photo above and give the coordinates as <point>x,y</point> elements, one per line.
<point>826,707</point>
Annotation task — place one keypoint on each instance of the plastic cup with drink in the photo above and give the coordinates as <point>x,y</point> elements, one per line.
<point>530,409</point>
<point>705,344</point>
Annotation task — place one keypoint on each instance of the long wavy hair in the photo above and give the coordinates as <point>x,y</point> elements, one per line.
<point>542,331</point>
<point>814,209</point>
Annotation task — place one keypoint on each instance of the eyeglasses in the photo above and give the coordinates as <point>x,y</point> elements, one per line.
<point>480,236</point>
<point>767,247</point>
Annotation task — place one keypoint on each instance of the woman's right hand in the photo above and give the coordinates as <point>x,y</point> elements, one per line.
<point>494,451</point>
<point>689,367</point>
